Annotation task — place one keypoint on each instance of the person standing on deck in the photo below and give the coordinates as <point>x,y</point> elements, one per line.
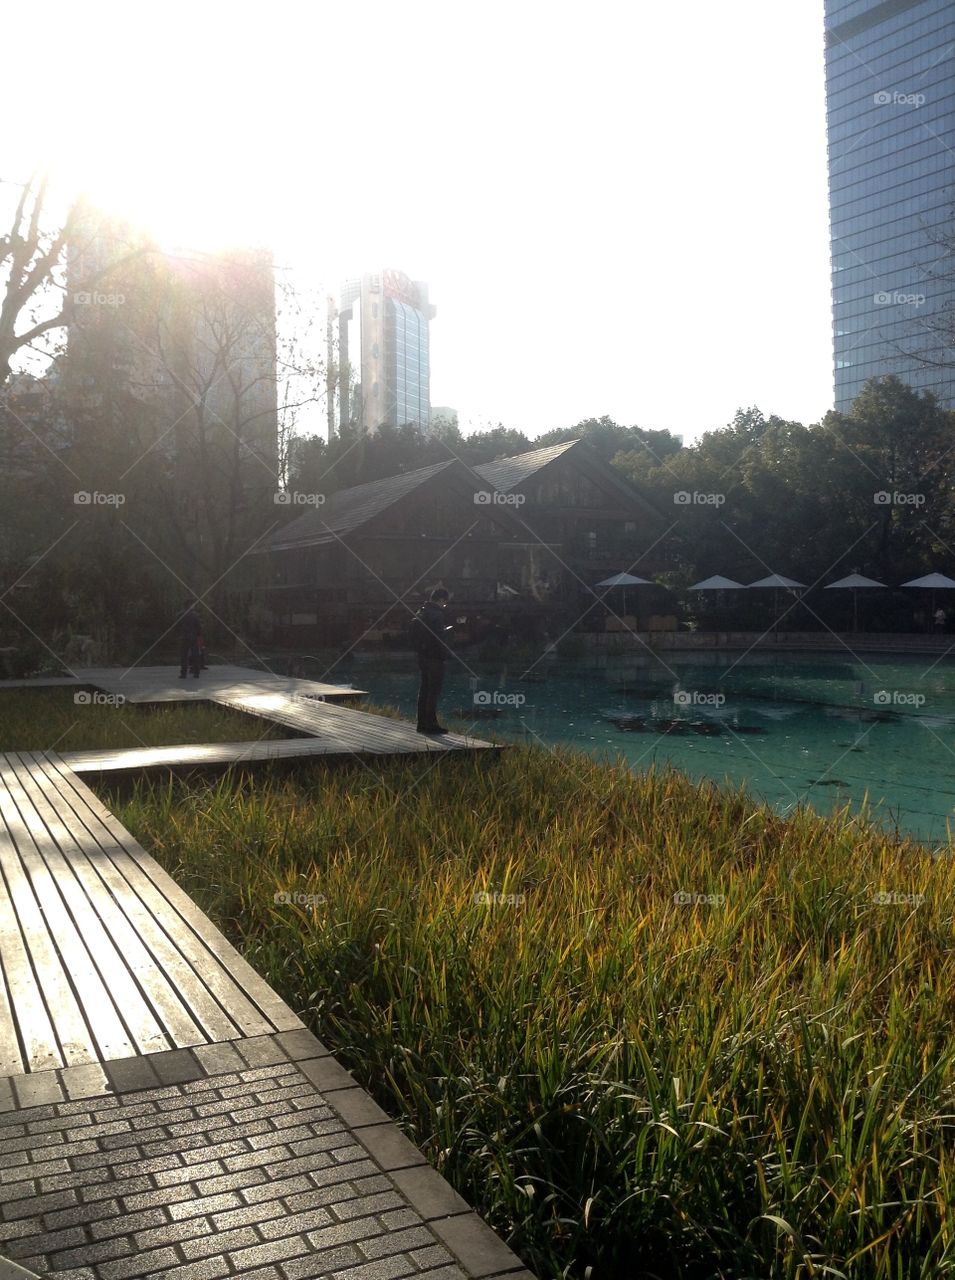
<point>430,634</point>
<point>190,629</point>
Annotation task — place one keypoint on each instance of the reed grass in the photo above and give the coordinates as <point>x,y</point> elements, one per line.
<point>52,720</point>
<point>646,1027</point>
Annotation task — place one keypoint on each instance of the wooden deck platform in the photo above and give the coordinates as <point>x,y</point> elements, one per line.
<point>40,682</point>
<point>102,955</point>
<point>163,684</point>
<point>307,706</point>
<point>225,755</point>
<point>355,732</point>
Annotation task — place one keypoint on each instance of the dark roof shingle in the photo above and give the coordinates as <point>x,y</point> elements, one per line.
<point>507,473</point>
<point>349,508</point>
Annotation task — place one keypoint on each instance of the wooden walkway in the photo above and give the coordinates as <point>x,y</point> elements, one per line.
<point>308,706</point>
<point>346,730</point>
<point>163,1112</point>
<point>162,684</point>
<point>102,955</point>
<point>226,755</point>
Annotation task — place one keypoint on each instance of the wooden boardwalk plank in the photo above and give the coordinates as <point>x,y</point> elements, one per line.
<point>238,1012</point>
<point>121,1019</point>
<point>54,1031</point>
<point>251,997</point>
<point>162,684</point>
<point>219,754</point>
<point>41,682</point>
<point>194,755</point>
<point>361,731</point>
<point>111,900</point>
<point>188,1012</point>
<point>21,992</point>
<point>55,887</point>
<point>11,1060</point>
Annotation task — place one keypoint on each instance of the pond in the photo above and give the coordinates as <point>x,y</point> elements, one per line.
<point>817,729</point>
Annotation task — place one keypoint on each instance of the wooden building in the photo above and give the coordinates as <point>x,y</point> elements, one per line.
<point>520,543</point>
<point>584,514</point>
<point>361,562</point>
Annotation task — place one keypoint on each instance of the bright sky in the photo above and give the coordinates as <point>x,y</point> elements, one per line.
<point>620,207</point>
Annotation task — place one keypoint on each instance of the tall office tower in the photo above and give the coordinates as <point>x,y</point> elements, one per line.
<point>890,89</point>
<point>383,352</point>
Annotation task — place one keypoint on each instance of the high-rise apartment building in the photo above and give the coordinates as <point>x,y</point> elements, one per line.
<point>380,348</point>
<point>171,373</point>
<point>191,334</point>
<point>890,88</point>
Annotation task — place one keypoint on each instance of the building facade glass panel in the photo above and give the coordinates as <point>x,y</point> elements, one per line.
<point>890,82</point>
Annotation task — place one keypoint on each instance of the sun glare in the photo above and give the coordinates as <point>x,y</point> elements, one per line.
<point>152,120</point>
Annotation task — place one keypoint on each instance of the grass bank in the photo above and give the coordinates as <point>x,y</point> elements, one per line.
<point>647,1027</point>
<point>80,720</point>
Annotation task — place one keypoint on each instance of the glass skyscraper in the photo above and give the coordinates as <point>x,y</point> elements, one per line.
<point>890,89</point>
<point>383,357</point>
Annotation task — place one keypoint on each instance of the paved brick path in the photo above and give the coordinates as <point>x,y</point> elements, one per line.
<point>256,1158</point>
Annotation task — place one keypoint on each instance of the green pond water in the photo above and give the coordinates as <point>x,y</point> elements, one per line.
<point>818,729</point>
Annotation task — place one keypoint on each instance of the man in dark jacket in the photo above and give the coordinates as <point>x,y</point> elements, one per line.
<point>431,633</point>
<point>190,629</point>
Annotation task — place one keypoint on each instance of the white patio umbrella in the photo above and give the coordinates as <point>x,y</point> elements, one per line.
<point>624,580</point>
<point>777,582</point>
<point>716,583</point>
<point>932,582</point>
<point>852,583</point>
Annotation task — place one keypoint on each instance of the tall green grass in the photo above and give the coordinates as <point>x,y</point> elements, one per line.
<point>756,1082</point>
<point>53,720</point>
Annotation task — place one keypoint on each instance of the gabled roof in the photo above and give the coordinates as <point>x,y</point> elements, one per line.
<point>510,473</point>
<point>507,473</point>
<point>349,508</point>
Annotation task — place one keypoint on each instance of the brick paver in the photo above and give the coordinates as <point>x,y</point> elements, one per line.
<point>258,1159</point>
